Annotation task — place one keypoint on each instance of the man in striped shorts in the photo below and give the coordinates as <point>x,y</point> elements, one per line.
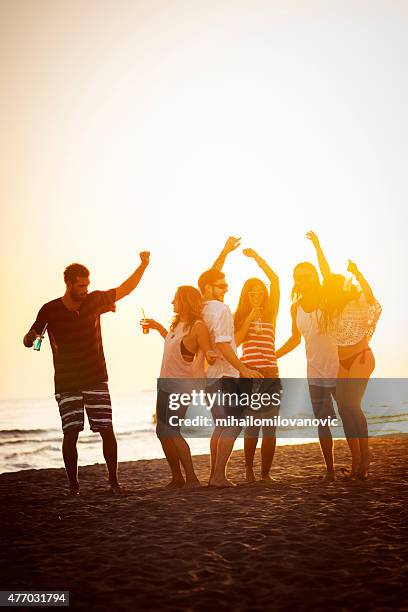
<point>81,378</point>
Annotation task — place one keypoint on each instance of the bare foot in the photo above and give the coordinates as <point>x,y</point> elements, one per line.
<point>116,488</point>
<point>175,483</point>
<point>363,475</point>
<point>221,483</point>
<point>249,474</point>
<point>330,477</point>
<point>363,470</point>
<point>347,474</point>
<point>268,478</point>
<point>192,483</point>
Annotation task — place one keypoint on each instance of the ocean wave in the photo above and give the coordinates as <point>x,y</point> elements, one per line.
<point>22,432</point>
<point>33,451</point>
<point>30,441</point>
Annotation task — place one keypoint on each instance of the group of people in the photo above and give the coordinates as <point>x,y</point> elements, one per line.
<point>335,317</point>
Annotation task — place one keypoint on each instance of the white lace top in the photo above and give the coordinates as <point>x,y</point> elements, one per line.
<point>357,321</point>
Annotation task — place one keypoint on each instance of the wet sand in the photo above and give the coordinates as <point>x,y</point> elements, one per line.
<point>294,544</point>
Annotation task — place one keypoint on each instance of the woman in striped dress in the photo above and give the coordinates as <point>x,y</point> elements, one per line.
<point>255,322</point>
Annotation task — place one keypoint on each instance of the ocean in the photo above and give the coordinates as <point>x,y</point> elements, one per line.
<point>30,431</point>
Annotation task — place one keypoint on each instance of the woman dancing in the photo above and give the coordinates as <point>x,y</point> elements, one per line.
<point>254,323</point>
<point>350,315</point>
<point>187,344</point>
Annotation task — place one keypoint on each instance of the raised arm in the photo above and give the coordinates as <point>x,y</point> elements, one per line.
<point>321,258</point>
<point>295,338</point>
<point>368,292</point>
<point>134,279</point>
<point>231,244</point>
<point>274,293</point>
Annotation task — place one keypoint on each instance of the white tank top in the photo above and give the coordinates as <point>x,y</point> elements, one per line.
<point>174,366</point>
<point>321,350</point>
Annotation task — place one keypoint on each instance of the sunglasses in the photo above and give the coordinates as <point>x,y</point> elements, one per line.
<point>301,277</point>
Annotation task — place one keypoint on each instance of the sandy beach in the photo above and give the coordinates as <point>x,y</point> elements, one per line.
<point>294,544</point>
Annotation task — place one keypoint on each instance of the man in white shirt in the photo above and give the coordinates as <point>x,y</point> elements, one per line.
<point>226,370</point>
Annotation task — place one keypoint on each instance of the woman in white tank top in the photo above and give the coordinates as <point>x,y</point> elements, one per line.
<point>187,344</point>
<point>321,350</point>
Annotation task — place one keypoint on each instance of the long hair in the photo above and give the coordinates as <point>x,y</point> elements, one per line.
<point>190,307</point>
<point>244,305</point>
<point>296,294</point>
<point>334,298</point>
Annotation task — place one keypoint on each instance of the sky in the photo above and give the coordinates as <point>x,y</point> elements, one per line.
<point>168,125</point>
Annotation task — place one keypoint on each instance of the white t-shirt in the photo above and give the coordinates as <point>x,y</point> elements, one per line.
<point>218,318</point>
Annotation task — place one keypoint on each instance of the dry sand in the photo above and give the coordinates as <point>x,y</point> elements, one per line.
<point>295,544</point>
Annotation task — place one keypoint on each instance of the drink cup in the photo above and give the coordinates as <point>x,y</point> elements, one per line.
<point>258,326</point>
<point>145,326</point>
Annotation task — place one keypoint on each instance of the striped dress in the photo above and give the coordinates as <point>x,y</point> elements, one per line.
<point>258,349</point>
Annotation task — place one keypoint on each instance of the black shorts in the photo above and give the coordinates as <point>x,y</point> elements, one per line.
<point>228,392</point>
<point>257,387</point>
<point>322,401</point>
<point>165,425</point>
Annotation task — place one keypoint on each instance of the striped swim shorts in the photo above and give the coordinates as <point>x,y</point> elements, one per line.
<point>95,400</point>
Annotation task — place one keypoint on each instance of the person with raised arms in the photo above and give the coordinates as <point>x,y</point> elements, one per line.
<point>321,349</point>
<point>81,378</point>
<point>255,324</point>
<point>224,374</point>
<point>350,314</point>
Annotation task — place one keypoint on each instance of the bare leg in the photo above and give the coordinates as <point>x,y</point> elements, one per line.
<point>171,454</point>
<point>214,448</point>
<point>250,443</point>
<point>326,445</point>
<point>224,450</point>
<point>352,390</point>
<point>70,456</point>
<point>322,406</point>
<point>184,454</point>
<point>362,371</point>
<point>110,452</point>
<point>267,451</point>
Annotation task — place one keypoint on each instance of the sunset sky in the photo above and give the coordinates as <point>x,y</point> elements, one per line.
<point>168,125</point>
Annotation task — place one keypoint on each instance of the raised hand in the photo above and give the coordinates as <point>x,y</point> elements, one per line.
<point>231,244</point>
<point>145,257</point>
<point>250,253</point>
<point>313,238</point>
<point>352,268</point>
